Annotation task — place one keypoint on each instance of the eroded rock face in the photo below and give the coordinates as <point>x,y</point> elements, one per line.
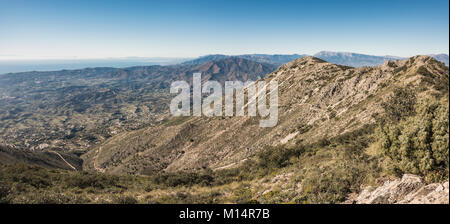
<point>411,189</point>
<point>430,194</point>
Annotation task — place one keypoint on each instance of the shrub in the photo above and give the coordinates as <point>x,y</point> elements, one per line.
<point>400,104</point>
<point>243,196</point>
<point>331,184</point>
<point>124,199</point>
<point>278,157</point>
<point>84,180</point>
<point>182,179</point>
<point>4,192</point>
<point>419,145</point>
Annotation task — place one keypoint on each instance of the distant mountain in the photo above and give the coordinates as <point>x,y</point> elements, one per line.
<point>228,68</point>
<point>353,59</point>
<point>8,66</point>
<point>349,59</point>
<point>206,58</point>
<point>232,68</point>
<point>358,60</point>
<point>440,57</point>
<point>275,59</point>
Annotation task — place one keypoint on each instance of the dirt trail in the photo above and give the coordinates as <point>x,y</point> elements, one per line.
<point>98,151</point>
<point>62,158</point>
<point>230,165</point>
<point>96,167</point>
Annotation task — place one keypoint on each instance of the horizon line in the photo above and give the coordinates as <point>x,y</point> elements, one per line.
<point>44,58</point>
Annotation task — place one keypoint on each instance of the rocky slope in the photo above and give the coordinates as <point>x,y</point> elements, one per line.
<point>317,99</point>
<point>410,189</point>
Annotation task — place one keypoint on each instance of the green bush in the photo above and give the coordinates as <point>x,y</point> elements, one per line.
<point>331,184</point>
<point>4,192</point>
<point>182,179</point>
<point>278,156</point>
<point>84,180</point>
<point>242,196</point>
<point>400,105</point>
<point>248,170</point>
<point>419,144</point>
<point>124,199</point>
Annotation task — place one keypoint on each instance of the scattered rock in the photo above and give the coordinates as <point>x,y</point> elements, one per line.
<point>410,189</point>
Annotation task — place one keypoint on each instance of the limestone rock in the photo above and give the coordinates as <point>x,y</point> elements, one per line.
<point>410,189</point>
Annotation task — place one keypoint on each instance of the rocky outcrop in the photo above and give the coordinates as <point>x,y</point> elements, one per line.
<point>410,189</point>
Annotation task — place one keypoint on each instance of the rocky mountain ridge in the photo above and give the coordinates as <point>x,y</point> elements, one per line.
<point>339,128</point>
<point>317,99</point>
<point>341,58</point>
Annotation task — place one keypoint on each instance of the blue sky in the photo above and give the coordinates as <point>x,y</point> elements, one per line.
<point>184,28</point>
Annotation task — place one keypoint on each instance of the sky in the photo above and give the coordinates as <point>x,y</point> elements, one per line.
<point>41,29</point>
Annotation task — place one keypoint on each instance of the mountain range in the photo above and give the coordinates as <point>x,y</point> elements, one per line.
<point>317,99</point>
<point>276,59</point>
<point>104,135</point>
<point>354,59</point>
<point>342,58</point>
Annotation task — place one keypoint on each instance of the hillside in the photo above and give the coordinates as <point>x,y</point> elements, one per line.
<point>317,100</point>
<point>46,158</point>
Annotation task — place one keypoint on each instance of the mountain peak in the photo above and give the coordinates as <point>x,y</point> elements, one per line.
<point>308,60</point>
<point>422,59</point>
<point>415,61</point>
<point>311,59</point>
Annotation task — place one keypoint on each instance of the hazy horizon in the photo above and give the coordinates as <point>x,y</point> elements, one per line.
<point>52,64</point>
<point>15,58</point>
